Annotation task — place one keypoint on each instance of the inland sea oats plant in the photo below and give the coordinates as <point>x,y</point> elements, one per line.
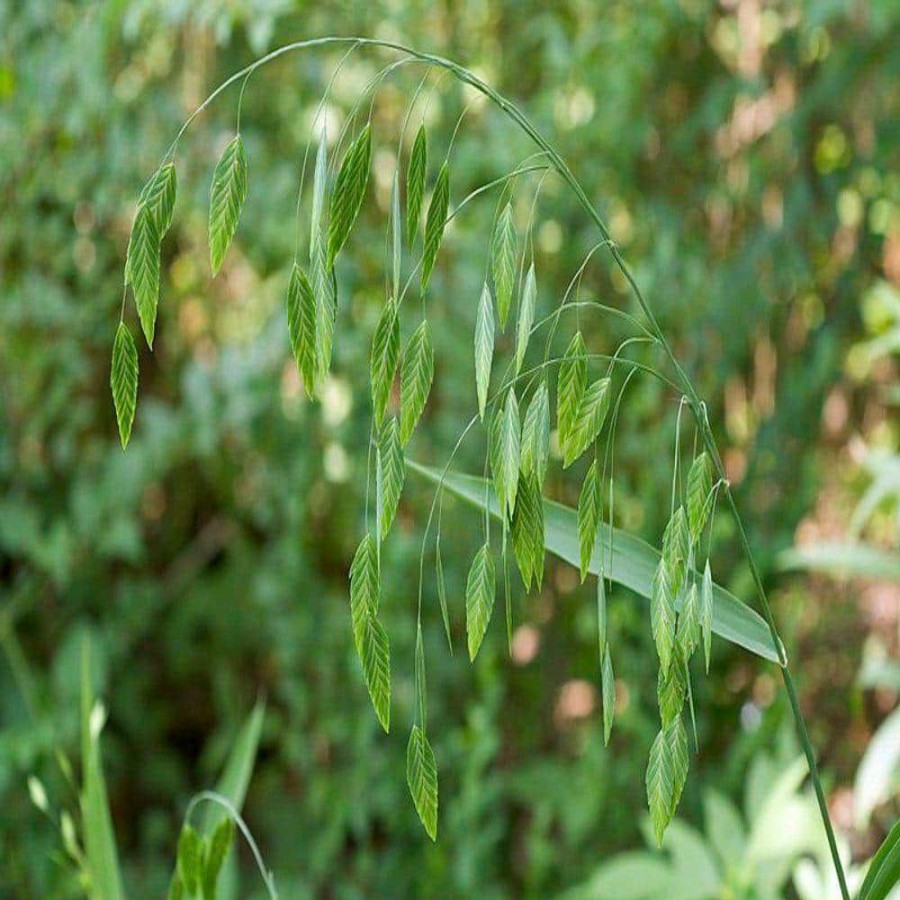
<point>513,406</point>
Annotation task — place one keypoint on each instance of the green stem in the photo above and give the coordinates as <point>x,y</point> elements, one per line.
<point>559,164</point>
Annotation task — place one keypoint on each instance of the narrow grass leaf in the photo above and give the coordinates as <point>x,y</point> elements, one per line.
<point>503,262</point>
<point>627,561</point>
<point>123,379</point>
<point>416,375</point>
<point>415,183</point>
<point>301,316</point>
<point>190,859</point>
<point>434,225</point>
<point>699,494</point>
<point>571,385</point>
<point>364,587</point>
<point>590,503</point>
<point>484,347</point>
<point>706,613</point>
<point>421,776</point>
<point>883,874</point>
<point>662,616</point>
<point>391,473</point>
<point>481,589</point>
<point>217,850</point>
<point>142,269</point>
<point>375,654</point>
<point>226,200</point>
<point>536,435</point>
<point>348,194</point>
<point>526,317</point>
<point>99,837</point>
<point>588,422</point>
<point>385,358</point>
<point>608,685</point>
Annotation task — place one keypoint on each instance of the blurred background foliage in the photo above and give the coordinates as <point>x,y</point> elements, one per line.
<point>745,155</point>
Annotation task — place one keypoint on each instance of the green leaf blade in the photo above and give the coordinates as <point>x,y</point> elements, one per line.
<point>632,562</point>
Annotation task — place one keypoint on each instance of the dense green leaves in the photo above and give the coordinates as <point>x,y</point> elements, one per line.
<point>385,358</point>
<point>572,383</point>
<point>666,775</point>
<point>699,491</point>
<point>536,435</point>
<point>391,474</point>
<point>590,505</point>
<point>226,200</point>
<point>301,316</point>
<point>123,379</point>
<point>421,776</point>
<point>484,347</point>
<point>434,225</point>
<point>348,194</point>
<point>142,269</point>
<point>662,615</point>
<point>503,261</point>
<point>526,317</point>
<point>416,376</point>
<point>481,588</point>
<point>415,183</point>
<point>528,531</point>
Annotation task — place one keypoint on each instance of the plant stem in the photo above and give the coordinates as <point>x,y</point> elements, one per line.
<point>681,377</point>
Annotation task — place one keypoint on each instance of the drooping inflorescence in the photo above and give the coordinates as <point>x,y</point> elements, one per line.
<point>513,408</point>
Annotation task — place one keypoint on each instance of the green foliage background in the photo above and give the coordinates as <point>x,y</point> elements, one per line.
<point>748,169</point>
